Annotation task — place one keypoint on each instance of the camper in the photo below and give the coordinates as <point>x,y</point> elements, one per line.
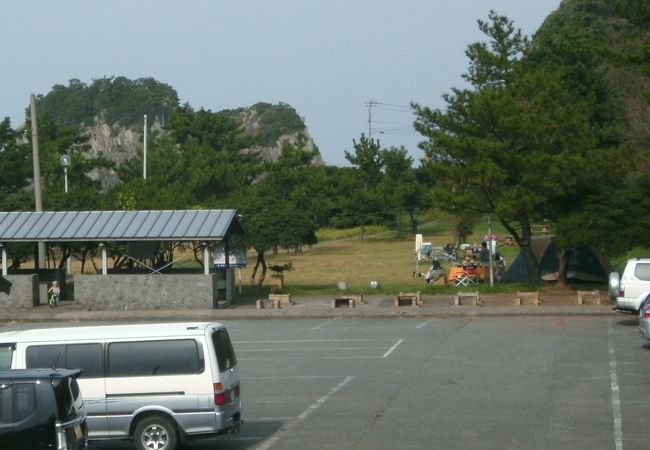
<point>157,384</point>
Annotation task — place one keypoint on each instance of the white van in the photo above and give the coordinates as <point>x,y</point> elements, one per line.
<point>629,288</point>
<point>158,384</point>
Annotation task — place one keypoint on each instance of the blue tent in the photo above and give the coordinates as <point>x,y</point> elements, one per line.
<point>584,263</point>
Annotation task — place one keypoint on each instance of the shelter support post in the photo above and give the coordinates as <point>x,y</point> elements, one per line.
<point>206,259</point>
<point>104,263</point>
<point>4,260</point>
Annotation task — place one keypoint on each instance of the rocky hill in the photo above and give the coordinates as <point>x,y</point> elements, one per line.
<point>110,111</point>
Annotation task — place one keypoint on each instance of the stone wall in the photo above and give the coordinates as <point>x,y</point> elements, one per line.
<point>18,290</point>
<point>140,291</point>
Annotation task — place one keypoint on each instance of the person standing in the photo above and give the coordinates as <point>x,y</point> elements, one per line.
<point>55,292</point>
<point>484,254</point>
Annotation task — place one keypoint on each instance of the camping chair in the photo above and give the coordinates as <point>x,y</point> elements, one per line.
<point>462,280</point>
<point>471,274</point>
<point>456,274</point>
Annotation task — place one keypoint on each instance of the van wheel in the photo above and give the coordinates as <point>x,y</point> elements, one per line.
<point>155,433</point>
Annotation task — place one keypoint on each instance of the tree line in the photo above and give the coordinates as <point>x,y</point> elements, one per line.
<point>204,161</point>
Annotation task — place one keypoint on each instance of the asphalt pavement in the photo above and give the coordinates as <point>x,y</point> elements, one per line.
<point>373,307</point>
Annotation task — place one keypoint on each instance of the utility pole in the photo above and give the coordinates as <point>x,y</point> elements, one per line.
<point>38,199</point>
<point>370,104</point>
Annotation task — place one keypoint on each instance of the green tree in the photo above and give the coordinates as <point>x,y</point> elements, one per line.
<point>15,169</point>
<point>401,190</point>
<point>518,144</point>
<point>366,200</point>
<point>280,209</point>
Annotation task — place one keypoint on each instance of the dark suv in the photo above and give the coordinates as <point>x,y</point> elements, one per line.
<point>42,409</point>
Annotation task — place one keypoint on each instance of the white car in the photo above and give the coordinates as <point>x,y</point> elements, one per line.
<point>627,288</point>
<point>644,315</point>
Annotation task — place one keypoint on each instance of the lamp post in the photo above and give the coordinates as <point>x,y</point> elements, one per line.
<point>144,151</point>
<point>65,162</point>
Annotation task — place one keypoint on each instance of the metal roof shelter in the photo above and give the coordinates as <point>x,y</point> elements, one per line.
<point>118,226</point>
<point>122,226</point>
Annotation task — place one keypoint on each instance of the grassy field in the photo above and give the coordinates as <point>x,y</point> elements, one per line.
<point>382,256</point>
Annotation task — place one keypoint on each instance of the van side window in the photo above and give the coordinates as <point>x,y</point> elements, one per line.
<point>87,357</point>
<point>223,347</point>
<point>24,401</point>
<point>6,354</point>
<point>45,356</point>
<point>71,356</point>
<point>148,358</point>
<point>642,271</point>
<point>5,403</point>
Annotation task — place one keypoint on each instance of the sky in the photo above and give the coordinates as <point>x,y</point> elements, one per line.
<point>348,67</point>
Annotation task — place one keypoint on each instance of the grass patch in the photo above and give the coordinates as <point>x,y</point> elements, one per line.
<point>331,234</point>
<point>383,256</point>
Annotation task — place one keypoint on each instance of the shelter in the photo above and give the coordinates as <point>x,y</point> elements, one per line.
<point>584,263</point>
<point>139,229</point>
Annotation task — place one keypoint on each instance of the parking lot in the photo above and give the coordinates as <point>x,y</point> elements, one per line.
<point>478,383</point>
<point>443,383</point>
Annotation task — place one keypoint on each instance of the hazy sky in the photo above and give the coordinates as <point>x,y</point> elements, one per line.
<point>326,58</point>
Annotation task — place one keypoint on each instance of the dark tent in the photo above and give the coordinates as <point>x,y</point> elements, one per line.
<point>584,264</point>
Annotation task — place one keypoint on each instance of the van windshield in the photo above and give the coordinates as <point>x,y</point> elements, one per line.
<point>223,347</point>
<point>6,354</point>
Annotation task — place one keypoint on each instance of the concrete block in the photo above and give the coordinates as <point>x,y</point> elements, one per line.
<point>467,298</point>
<point>409,299</point>
<point>340,302</point>
<point>358,298</point>
<point>267,304</point>
<point>588,297</point>
<point>284,299</point>
<point>527,298</point>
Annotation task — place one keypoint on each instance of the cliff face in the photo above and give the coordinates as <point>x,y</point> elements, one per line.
<point>119,143</point>
<point>252,123</point>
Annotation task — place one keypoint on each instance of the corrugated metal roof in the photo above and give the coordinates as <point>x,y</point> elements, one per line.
<point>97,226</point>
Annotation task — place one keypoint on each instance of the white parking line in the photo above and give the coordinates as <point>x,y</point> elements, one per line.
<point>299,377</point>
<point>392,348</point>
<point>616,394</point>
<point>322,324</point>
<point>302,341</point>
<point>319,349</point>
<point>306,413</point>
<point>302,358</point>
<point>424,323</point>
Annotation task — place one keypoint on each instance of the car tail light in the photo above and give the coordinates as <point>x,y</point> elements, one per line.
<point>222,397</point>
<point>646,313</point>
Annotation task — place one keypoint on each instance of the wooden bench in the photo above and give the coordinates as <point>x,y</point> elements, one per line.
<point>473,297</point>
<point>527,298</point>
<point>413,299</point>
<point>588,297</point>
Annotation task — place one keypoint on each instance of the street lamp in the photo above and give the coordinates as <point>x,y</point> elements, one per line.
<point>65,162</point>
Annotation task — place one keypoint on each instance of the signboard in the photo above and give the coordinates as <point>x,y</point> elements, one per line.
<point>236,258</point>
